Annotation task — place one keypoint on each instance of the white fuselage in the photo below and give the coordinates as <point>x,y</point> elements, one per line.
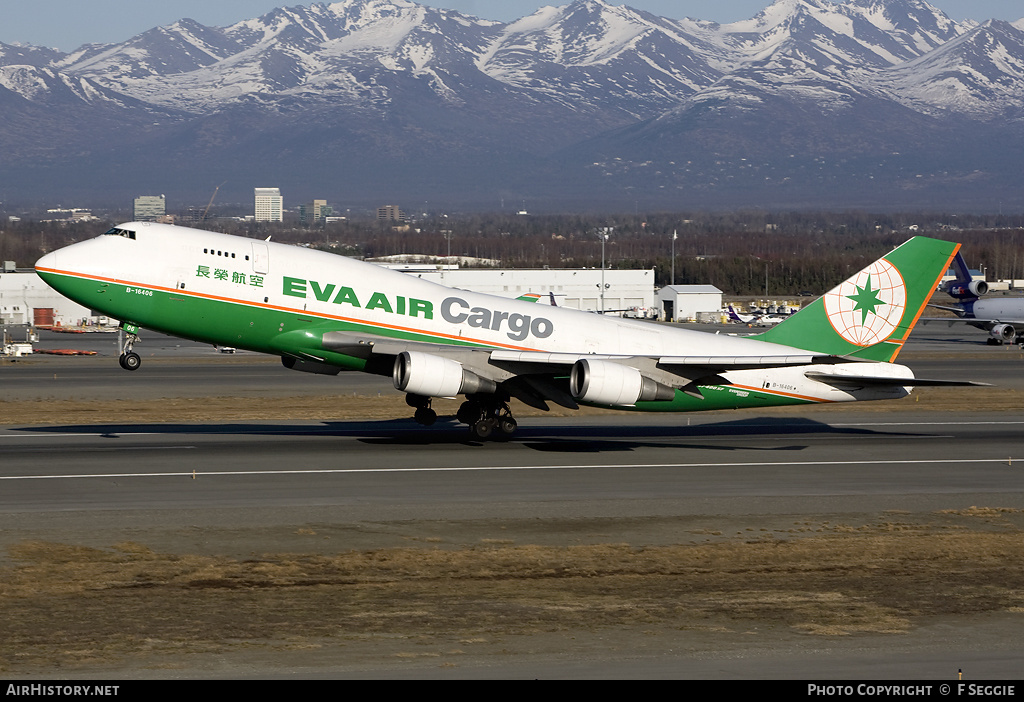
<point>300,286</point>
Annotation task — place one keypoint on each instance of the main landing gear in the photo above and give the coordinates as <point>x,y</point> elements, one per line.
<point>424,414</point>
<point>130,360</point>
<point>486,415</point>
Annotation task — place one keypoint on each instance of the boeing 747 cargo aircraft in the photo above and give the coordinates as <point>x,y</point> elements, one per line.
<point>323,313</point>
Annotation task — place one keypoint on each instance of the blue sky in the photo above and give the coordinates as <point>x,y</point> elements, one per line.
<point>67,24</point>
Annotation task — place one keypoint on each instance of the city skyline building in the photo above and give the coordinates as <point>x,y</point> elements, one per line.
<point>269,205</point>
<point>315,212</point>
<point>149,208</point>
<point>390,213</point>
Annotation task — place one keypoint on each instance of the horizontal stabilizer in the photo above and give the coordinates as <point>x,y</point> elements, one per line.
<point>958,311</point>
<point>881,381</point>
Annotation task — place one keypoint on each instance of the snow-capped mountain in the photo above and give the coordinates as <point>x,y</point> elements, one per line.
<point>860,32</point>
<point>825,53</point>
<point>582,54</point>
<point>978,74</point>
<point>585,98</point>
<point>292,51</point>
<point>23,55</point>
<point>592,53</point>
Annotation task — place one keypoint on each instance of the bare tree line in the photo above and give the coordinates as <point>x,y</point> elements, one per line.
<point>740,253</point>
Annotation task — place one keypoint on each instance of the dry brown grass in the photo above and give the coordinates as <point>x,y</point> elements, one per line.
<point>393,406</point>
<point>63,604</point>
<point>212,409</point>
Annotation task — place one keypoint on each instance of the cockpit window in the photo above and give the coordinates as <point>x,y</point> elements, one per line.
<point>126,233</point>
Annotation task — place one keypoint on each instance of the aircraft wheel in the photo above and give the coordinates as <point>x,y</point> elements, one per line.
<point>426,416</point>
<point>483,428</point>
<point>130,361</point>
<point>469,412</point>
<point>507,426</point>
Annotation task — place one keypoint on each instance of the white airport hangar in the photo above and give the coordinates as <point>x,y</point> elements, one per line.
<point>685,303</point>
<point>26,299</point>
<point>625,291</point>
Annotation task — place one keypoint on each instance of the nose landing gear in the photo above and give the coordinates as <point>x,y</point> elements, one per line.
<point>130,360</point>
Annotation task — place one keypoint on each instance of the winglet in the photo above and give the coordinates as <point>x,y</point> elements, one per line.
<point>870,315</point>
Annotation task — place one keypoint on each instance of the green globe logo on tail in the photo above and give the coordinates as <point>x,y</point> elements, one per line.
<point>867,308</point>
<point>870,314</point>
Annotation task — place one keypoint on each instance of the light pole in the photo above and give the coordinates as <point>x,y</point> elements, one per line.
<point>673,257</point>
<point>603,235</point>
<point>447,234</point>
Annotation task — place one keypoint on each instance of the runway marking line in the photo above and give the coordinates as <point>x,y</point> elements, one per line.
<point>467,469</point>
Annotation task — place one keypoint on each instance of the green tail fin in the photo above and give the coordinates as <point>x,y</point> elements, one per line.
<point>871,314</point>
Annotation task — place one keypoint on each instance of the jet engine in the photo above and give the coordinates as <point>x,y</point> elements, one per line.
<point>1003,332</point>
<point>428,375</point>
<point>976,288</point>
<point>605,383</point>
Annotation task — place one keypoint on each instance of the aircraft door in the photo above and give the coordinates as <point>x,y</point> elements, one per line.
<point>260,257</point>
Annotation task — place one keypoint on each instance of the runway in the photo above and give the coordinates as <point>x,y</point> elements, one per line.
<point>631,460</point>
<point>231,487</point>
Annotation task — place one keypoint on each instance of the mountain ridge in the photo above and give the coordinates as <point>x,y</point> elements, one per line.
<point>397,91</point>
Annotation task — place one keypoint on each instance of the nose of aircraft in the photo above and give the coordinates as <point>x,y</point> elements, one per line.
<point>47,262</point>
<point>47,269</point>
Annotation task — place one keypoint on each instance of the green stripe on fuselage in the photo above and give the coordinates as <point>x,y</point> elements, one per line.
<point>226,322</point>
<point>293,332</point>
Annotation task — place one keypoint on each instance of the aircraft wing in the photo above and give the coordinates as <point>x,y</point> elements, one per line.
<point>958,311</point>
<point>1002,331</point>
<point>536,377</point>
<point>363,345</point>
<point>685,373</point>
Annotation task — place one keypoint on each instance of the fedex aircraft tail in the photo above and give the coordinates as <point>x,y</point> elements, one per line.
<point>964,288</point>
<point>870,315</point>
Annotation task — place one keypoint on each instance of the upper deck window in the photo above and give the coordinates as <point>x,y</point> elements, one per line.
<point>126,233</point>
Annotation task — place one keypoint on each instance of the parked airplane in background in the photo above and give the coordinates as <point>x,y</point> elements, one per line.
<point>759,320</point>
<point>537,297</point>
<point>323,313</point>
<point>1002,318</point>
